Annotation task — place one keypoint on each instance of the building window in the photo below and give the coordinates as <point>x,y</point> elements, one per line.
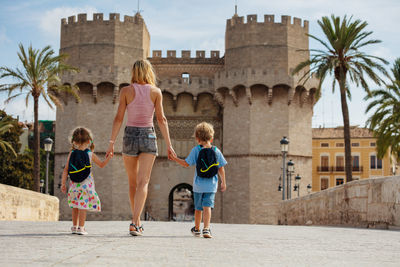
<point>355,144</point>
<point>356,163</point>
<point>339,144</point>
<point>324,163</point>
<point>340,163</point>
<point>324,183</point>
<point>186,77</point>
<point>339,181</point>
<point>375,162</point>
<point>324,144</point>
<point>372,144</point>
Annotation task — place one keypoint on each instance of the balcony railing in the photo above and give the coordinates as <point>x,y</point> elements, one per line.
<point>325,169</point>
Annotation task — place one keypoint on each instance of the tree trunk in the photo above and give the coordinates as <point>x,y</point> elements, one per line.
<point>346,131</point>
<point>36,146</point>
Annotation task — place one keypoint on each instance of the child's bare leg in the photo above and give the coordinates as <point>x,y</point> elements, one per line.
<point>82,218</point>
<point>206,217</point>
<point>75,216</point>
<point>197,219</point>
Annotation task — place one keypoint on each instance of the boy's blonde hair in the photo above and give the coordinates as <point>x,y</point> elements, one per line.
<point>142,72</point>
<point>204,131</point>
<point>82,135</point>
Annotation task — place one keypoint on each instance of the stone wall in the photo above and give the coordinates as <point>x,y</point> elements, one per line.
<point>371,203</point>
<point>18,204</point>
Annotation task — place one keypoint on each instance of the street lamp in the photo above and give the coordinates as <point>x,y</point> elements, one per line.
<point>284,149</point>
<point>290,170</point>
<point>297,184</point>
<point>48,143</point>
<point>309,188</point>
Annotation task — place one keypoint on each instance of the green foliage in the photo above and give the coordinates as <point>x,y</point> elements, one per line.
<point>385,121</point>
<point>5,127</point>
<point>15,170</point>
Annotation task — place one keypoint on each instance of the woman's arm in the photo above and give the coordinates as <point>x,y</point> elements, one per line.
<point>119,117</point>
<point>163,123</point>
<point>65,175</point>
<point>100,163</point>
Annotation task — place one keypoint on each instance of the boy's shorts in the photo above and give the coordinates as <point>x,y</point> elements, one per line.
<point>203,200</point>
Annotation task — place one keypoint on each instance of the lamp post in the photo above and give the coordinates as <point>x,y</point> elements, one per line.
<point>290,170</point>
<point>48,143</point>
<point>309,188</point>
<point>297,184</point>
<point>284,149</point>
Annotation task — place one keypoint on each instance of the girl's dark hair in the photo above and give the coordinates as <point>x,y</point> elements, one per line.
<point>81,136</point>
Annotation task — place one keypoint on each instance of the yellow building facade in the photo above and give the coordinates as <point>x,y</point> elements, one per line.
<point>328,157</point>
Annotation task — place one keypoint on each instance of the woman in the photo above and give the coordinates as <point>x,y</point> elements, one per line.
<point>139,151</point>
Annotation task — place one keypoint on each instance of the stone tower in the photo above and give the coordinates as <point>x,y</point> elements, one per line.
<point>104,51</point>
<point>249,95</point>
<point>262,102</point>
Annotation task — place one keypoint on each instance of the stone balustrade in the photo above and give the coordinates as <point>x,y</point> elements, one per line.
<point>18,204</point>
<point>370,203</point>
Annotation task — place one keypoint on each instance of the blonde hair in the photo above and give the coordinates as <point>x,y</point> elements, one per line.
<point>80,136</point>
<point>142,72</point>
<point>204,131</point>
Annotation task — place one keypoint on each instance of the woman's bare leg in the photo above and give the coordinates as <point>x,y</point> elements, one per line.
<point>146,162</point>
<point>131,167</point>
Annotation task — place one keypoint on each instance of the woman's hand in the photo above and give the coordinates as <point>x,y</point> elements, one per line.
<point>110,150</point>
<point>171,153</point>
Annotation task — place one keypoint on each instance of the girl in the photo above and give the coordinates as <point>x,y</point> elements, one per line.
<point>140,99</point>
<point>82,196</point>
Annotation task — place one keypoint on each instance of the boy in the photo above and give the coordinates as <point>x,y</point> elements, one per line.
<point>205,181</point>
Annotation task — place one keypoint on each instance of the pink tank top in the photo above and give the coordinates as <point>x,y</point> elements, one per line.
<point>141,109</point>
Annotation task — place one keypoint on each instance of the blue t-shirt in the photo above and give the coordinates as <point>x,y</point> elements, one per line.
<point>204,185</point>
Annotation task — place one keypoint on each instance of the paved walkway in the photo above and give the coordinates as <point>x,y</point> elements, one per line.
<point>171,244</point>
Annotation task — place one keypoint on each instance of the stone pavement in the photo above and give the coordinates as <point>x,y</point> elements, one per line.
<point>171,244</point>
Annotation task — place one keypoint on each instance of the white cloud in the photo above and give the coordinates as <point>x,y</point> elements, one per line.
<point>50,21</point>
<point>3,36</point>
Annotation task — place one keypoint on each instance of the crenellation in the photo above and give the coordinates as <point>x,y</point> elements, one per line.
<point>98,17</point>
<point>171,53</point>
<point>114,16</point>
<point>296,21</point>
<point>185,53</point>
<point>129,18</point>
<point>214,54</point>
<point>71,19</point>
<point>286,19</point>
<point>82,18</point>
<point>200,54</point>
<point>157,53</point>
<point>269,18</point>
<point>251,18</point>
<point>305,24</point>
<point>64,21</point>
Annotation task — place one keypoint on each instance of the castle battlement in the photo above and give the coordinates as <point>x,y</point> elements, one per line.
<point>99,18</point>
<point>268,19</point>
<point>186,54</point>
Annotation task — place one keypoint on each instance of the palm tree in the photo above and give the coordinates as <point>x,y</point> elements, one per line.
<point>342,59</point>
<point>385,122</point>
<point>39,77</point>
<point>5,127</point>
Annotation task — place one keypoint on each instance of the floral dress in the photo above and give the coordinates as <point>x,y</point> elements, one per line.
<point>83,195</point>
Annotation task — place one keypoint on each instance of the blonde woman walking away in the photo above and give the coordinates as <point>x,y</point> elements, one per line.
<point>140,99</point>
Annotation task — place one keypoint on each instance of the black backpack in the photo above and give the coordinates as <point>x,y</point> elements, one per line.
<point>79,165</point>
<point>207,164</point>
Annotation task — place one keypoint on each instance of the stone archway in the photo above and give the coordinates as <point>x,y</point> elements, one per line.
<point>181,203</point>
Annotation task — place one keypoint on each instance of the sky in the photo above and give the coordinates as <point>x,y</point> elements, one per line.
<point>196,25</point>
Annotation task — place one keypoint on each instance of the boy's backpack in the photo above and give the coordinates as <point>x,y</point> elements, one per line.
<point>207,164</point>
<point>79,165</point>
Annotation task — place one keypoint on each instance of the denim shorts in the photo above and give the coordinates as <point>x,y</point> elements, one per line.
<point>139,140</point>
<point>203,200</point>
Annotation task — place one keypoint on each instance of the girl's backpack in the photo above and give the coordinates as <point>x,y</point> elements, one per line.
<point>79,165</point>
<point>207,164</point>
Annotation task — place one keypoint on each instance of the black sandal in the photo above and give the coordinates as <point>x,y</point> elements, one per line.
<point>134,230</point>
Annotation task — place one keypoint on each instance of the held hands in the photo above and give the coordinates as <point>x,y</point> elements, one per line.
<point>64,189</point>
<point>171,153</point>
<point>110,150</point>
